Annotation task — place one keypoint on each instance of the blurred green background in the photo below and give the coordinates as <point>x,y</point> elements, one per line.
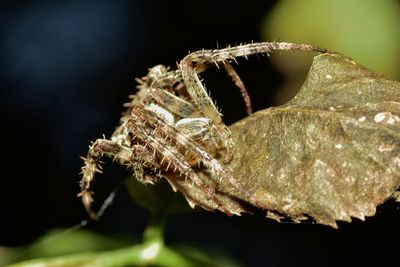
<point>365,30</point>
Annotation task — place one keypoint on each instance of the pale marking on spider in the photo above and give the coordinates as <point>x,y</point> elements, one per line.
<point>172,122</point>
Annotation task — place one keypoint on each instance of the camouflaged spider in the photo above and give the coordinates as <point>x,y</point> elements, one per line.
<point>172,129</point>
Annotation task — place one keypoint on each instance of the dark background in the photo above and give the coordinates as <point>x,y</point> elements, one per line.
<point>67,67</point>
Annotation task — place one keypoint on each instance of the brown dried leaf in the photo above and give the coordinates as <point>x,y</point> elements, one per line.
<point>331,153</point>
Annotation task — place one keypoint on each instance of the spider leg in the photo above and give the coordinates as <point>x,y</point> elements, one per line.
<point>196,62</point>
<point>212,164</point>
<point>173,103</point>
<point>168,79</point>
<point>92,165</point>
<point>204,132</point>
<point>158,87</point>
<point>203,58</point>
<point>172,77</point>
<point>100,148</point>
<point>171,155</point>
<point>184,109</point>
<point>239,84</point>
<point>141,96</point>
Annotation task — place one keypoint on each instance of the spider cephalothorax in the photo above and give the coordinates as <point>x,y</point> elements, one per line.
<point>173,130</point>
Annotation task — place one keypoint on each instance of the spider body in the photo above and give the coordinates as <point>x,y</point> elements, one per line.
<point>172,130</point>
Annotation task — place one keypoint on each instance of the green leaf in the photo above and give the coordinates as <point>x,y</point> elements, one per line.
<point>145,254</point>
<point>331,153</point>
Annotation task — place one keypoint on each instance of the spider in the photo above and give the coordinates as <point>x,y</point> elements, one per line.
<point>172,130</point>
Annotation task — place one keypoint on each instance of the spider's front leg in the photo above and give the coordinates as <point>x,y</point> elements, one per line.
<point>145,83</point>
<point>132,156</point>
<point>169,88</point>
<point>199,61</point>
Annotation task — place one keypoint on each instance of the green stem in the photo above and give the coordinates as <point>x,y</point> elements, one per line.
<point>154,232</point>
